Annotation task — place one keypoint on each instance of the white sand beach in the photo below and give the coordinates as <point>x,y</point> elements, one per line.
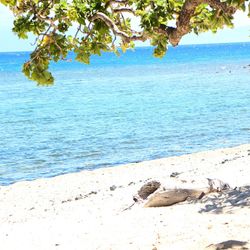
<point>85,210</point>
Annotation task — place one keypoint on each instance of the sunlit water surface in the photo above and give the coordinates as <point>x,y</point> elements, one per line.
<point>121,110</point>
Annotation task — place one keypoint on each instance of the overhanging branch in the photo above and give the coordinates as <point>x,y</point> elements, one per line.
<point>183,22</point>
<point>123,9</point>
<point>110,23</point>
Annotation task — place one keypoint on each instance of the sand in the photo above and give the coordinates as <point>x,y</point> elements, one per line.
<point>85,210</point>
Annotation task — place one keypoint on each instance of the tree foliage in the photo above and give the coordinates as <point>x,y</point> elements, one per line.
<point>97,24</point>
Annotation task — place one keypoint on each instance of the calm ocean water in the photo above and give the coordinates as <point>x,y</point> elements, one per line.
<point>121,110</point>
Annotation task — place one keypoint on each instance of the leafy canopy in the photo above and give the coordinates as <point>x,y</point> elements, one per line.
<point>97,25</point>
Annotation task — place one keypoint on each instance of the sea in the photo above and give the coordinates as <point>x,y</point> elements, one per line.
<point>124,109</point>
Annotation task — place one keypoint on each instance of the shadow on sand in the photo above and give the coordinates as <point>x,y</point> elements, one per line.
<point>229,244</point>
<point>239,197</point>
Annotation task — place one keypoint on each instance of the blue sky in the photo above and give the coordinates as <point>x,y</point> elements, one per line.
<point>241,33</point>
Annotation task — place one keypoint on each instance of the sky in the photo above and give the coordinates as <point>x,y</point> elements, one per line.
<point>241,33</point>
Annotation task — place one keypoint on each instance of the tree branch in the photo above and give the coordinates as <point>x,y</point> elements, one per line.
<point>123,9</point>
<point>217,4</point>
<point>109,22</point>
<point>187,12</point>
<point>118,1</point>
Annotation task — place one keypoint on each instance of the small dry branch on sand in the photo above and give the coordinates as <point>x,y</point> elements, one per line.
<point>152,194</point>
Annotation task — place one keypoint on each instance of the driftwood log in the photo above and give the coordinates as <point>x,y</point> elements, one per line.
<point>153,195</point>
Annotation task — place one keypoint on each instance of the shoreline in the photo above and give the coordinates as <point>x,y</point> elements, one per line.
<point>128,164</point>
<point>85,210</point>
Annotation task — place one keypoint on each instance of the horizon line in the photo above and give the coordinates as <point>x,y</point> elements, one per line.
<point>148,46</point>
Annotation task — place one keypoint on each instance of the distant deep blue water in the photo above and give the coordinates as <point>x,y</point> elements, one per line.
<point>121,110</point>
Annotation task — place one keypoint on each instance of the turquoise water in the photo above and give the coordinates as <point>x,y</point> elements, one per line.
<point>121,110</point>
